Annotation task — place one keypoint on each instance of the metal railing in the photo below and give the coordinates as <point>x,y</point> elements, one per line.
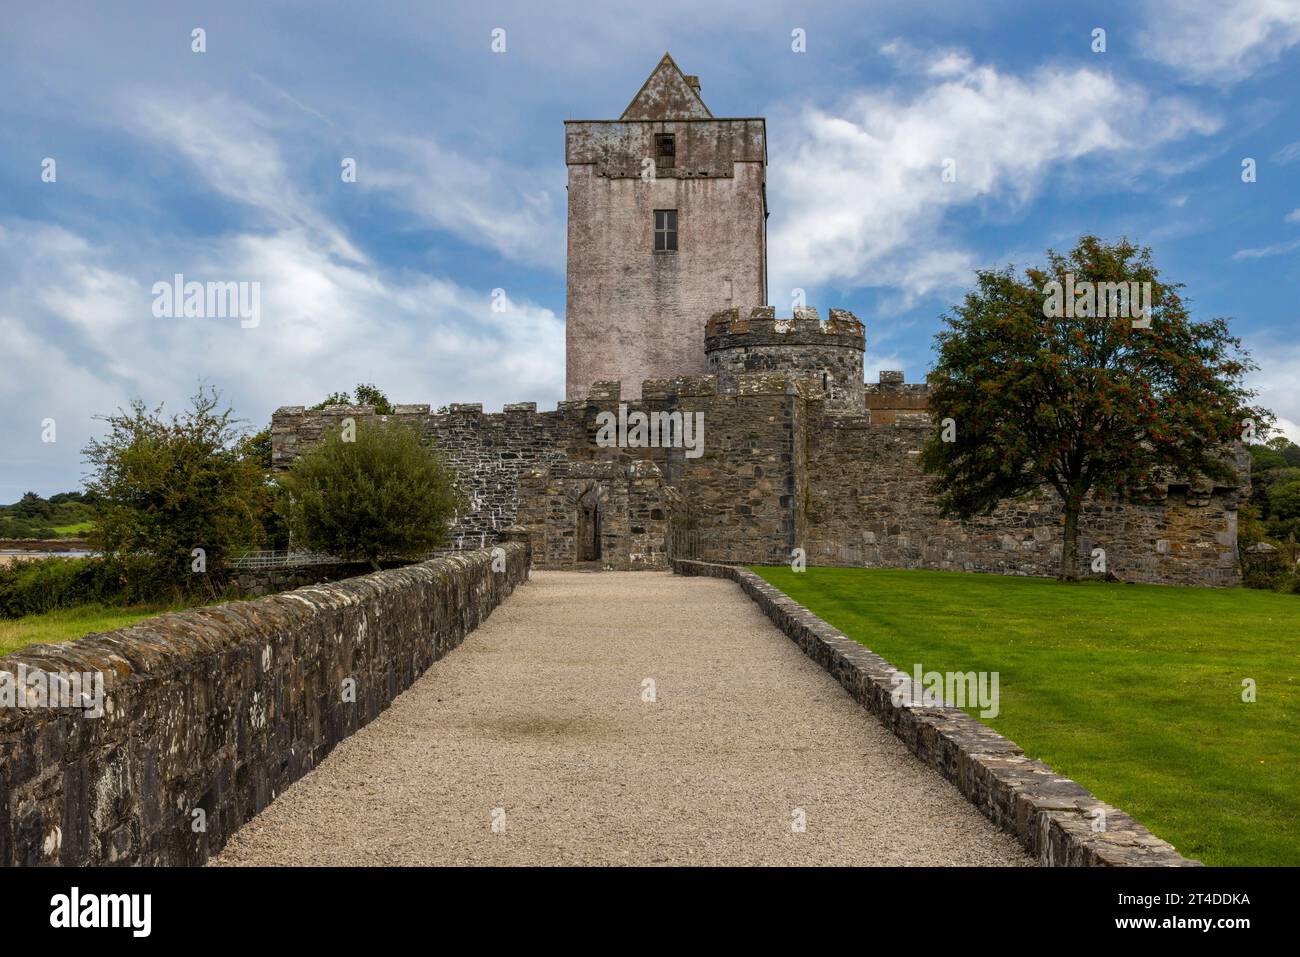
<point>276,558</point>
<point>253,558</point>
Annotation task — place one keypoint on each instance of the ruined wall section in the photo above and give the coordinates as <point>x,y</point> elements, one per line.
<point>634,502</point>
<point>741,495</point>
<point>891,396</point>
<point>488,450</point>
<point>870,504</point>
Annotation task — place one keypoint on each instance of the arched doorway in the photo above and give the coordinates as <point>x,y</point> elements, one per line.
<point>588,531</point>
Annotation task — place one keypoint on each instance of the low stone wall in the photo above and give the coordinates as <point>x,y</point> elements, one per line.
<point>1050,815</point>
<point>211,713</point>
<point>256,582</point>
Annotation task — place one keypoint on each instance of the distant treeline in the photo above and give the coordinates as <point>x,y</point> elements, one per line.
<point>1275,491</point>
<point>65,515</point>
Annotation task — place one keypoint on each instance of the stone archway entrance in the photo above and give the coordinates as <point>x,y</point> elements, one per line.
<point>588,530</point>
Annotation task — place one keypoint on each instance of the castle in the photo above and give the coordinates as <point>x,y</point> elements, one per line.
<point>667,318</point>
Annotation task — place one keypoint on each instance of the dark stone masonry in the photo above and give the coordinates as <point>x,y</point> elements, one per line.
<point>781,467</point>
<point>212,712</point>
<point>828,353</point>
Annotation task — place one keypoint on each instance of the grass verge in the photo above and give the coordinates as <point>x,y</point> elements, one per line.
<point>1134,691</point>
<point>68,624</point>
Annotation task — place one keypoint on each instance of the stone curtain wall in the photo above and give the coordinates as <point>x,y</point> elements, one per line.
<point>779,470</point>
<point>220,709</point>
<point>634,504</point>
<point>489,451</point>
<point>869,504</point>
<point>745,483</point>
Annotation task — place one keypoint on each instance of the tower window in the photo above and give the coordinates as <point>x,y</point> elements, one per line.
<point>665,230</point>
<point>665,151</point>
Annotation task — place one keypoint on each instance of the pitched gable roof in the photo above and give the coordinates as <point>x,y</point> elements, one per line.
<point>667,94</point>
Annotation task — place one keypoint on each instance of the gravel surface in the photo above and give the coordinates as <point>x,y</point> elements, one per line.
<point>537,722</point>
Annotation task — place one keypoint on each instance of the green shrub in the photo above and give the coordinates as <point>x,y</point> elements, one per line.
<point>40,585</point>
<point>382,495</point>
<point>25,528</point>
<point>165,487</point>
<point>44,584</point>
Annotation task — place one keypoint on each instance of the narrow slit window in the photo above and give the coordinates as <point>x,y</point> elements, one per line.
<point>665,230</point>
<point>665,151</point>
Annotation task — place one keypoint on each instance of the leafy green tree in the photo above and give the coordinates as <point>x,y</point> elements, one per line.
<point>80,498</point>
<point>256,448</point>
<point>165,486</point>
<point>30,506</point>
<point>370,395</point>
<point>382,496</point>
<point>1272,464</point>
<point>1284,509</point>
<point>1288,450</point>
<point>1026,395</point>
<point>334,398</point>
<point>367,394</point>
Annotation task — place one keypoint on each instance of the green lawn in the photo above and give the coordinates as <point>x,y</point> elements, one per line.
<point>65,624</point>
<point>1134,691</point>
<point>75,528</point>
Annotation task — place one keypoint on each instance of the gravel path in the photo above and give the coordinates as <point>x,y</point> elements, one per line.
<point>538,722</point>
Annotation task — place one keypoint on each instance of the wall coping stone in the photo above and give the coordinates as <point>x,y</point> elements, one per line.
<point>223,707</point>
<point>1050,815</point>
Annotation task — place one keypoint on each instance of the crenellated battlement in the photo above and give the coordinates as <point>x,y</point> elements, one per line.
<point>825,354</point>
<point>732,328</point>
<point>703,386</point>
<point>893,400</point>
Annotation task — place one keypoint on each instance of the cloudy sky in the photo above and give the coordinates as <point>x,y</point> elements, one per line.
<point>225,166</point>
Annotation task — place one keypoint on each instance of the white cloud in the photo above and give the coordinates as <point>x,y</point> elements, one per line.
<point>480,201</point>
<point>233,147</point>
<point>861,199</point>
<point>1287,154</point>
<point>82,316</point>
<point>1278,383</point>
<point>1288,428</point>
<point>483,202</point>
<point>80,311</point>
<point>1219,41</point>
<point>945,62</point>
<point>1262,252</point>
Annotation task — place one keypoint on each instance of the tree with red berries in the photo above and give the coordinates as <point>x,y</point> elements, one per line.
<point>1086,376</point>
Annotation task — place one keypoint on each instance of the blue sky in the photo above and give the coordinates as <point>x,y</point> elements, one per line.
<point>225,166</point>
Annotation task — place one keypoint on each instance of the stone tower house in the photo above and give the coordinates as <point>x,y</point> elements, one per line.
<point>667,225</point>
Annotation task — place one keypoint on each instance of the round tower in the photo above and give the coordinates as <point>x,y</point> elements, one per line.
<point>828,353</point>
